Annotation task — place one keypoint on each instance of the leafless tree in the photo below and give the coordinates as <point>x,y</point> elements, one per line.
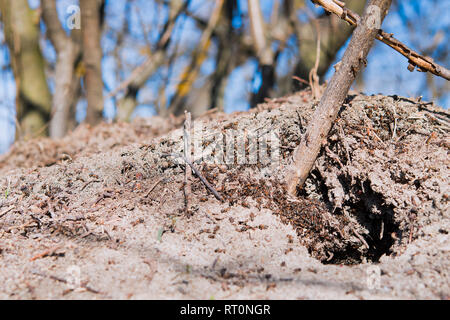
<point>33,98</point>
<point>91,13</point>
<point>68,50</point>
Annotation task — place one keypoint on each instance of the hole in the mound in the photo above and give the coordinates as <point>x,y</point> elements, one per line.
<point>334,238</point>
<point>369,234</point>
<point>379,226</point>
<point>379,242</point>
<point>330,236</point>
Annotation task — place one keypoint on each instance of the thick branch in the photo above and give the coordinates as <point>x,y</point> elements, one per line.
<point>354,59</point>
<point>423,64</point>
<point>68,50</point>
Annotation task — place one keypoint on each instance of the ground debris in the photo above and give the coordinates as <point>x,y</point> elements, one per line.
<point>379,190</point>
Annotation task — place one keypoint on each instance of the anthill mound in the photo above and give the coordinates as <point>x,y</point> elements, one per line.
<point>110,201</point>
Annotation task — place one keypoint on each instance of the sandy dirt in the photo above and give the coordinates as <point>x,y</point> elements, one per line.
<point>101,213</point>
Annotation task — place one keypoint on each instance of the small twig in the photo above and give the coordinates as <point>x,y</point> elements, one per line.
<point>86,234</point>
<point>394,133</point>
<point>411,230</point>
<point>333,156</point>
<point>73,218</point>
<point>104,195</point>
<point>414,59</point>
<point>88,183</point>
<point>48,252</point>
<point>106,232</point>
<point>301,80</point>
<point>187,155</point>
<point>25,225</point>
<point>197,173</point>
<point>5,212</point>
<point>404,133</point>
<point>39,273</point>
<point>154,186</point>
<point>215,262</point>
<point>313,77</point>
<point>372,132</point>
<point>360,237</point>
<point>8,188</point>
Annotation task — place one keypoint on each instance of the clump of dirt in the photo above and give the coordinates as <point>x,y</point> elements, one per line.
<point>114,206</point>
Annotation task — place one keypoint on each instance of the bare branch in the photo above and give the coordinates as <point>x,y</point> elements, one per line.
<point>187,155</point>
<point>423,64</point>
<point>197,173</point>
<point>139,75</point>
<point>190,73</point>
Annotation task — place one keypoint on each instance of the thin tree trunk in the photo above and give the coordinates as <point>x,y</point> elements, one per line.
<point>65,90</point>
<point>354,59</point>
<point>33,101</point>
<point>68,52</point>
<point>92,58</point>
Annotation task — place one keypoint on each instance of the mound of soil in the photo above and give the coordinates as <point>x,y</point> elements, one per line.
<point>101,213</point>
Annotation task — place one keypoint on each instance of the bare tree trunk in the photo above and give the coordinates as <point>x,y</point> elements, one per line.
<point>68,52</point>
<point>92,58</point>
<point>33,101</point>
<point>354,58</point>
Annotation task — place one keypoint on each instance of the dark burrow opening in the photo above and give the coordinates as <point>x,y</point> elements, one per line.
<point>378,242</point>
<point>365,233</point>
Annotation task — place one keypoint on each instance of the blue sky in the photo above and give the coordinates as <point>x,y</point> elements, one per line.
<point>386,71</point>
